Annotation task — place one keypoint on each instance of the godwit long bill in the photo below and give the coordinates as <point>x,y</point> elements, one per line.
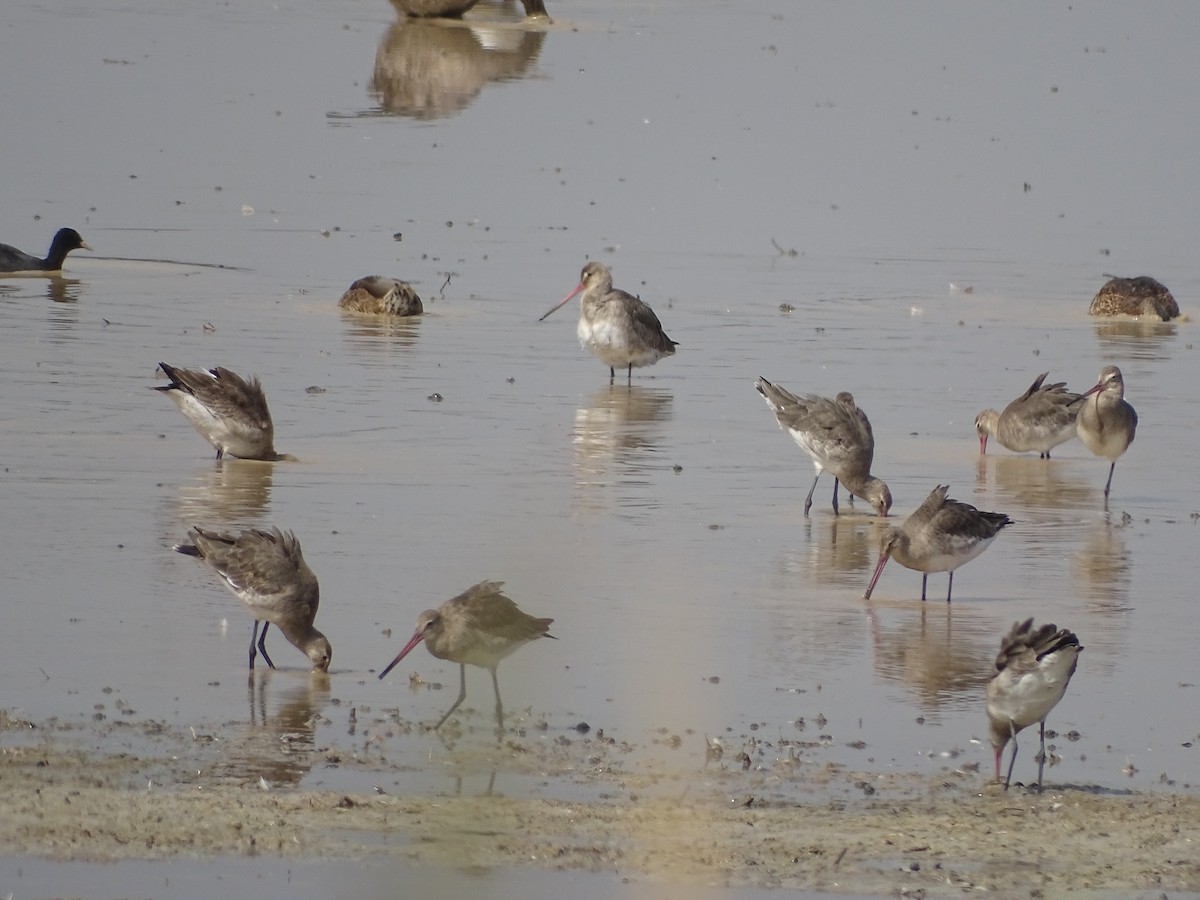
<point>1040,419</point>
<point>1107,423</point>
<point>267,572</point>
<point>1033,670</point>
<point>836,435</point>
<point>479,627</point>
<point>940,535</point>
<point>228,410</point>
<point>617,327</point>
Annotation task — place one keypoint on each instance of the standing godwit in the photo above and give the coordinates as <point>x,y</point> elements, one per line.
<point>617,327</point>
<point>267,572</point>
<point>1107,423</point>
<point>941,535</point>
<point>382,297</point>
<point>480,626</point>
<point>1140,296</point>
<point>65,240</point>
<point>836,435</point>
<point>1040,419</point>
<point>1033,670</point>
<point>229,411</point>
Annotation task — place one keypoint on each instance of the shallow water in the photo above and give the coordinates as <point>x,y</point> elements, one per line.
<point>896,162</point>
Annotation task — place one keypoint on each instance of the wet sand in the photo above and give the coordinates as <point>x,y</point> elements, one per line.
<point>779,822</point>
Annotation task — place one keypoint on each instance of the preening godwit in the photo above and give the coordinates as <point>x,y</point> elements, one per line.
<point>1033,670</point>
<point>1107,423</point>
<point>1040,419</point>
<point>941,535</point>
<point>619,329</point>
<point>478,627</point>
<point>836,435</point>
<point>267,572</point>
<point>65,240</point>
<point>229,411</point>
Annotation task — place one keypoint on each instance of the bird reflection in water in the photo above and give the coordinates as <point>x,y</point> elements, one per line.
<point>1102,564</point>
<point>1144,338</point>
<point>839,548</point>
<point>616,436</point>
<point>937,659</point>
<point>382,335</point>
<point>62,290</point>
<point>1034,483</point>
<point>278,742</point>
<point>432,69</point>
<point>232,491</point>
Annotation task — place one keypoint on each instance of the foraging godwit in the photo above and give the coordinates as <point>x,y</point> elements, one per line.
<point>267,572</point>
<point>381,296</point>
<point>941,535</point>
<point>1140,296</point>
<point>838,437</point>
<point>65,240</point>
<point>1040,419</point>
<point>480,626</point>
<point>229,411</point>
<point>1107,423</point>
<point>617,327</point>
<point>1033,670</point>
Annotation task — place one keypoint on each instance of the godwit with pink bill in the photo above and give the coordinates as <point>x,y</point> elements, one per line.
<point>836,435</point>
<point>1040,419</point>
<point>1107,423</point>
<point>1033,670</point>
<point>619,329</point>
<point>479,627</point>
<point>267,572</point>
<point>940,535</point>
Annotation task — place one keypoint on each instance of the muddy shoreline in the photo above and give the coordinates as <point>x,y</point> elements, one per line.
<point>786,824</point>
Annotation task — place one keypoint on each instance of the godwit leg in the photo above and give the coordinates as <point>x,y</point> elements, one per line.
<point>220,452</point>
<point>924,578</point>
<point>262,647</point>
<point>1042,756</point>
<point>835,487</point>
<point>950,589</point>
<point>629,375</point>
<point>462,693</point>
<point>808,499</point>
<point>1012,734</point>
<point>499,705</point>
<point>1108,484</point>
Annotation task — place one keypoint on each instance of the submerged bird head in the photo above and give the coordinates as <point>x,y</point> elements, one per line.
<point>985,425</point>
<point>320,652</point>
<point>876,492</point>
<point>428,623</point>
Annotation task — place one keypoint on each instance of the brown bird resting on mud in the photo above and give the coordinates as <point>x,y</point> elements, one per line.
<point>480,627</point>
<point>381,296</point>
<point>1140,296</point>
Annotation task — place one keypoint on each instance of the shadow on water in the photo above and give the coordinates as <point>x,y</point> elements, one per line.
<point>435,68</point>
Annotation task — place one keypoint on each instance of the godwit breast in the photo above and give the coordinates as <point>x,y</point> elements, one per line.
<point>229,411</point>
<point>480,627</point>
<point>267,572</point>
<point>836,435</point>
<point>1040,419</point>
<point>1033,670</point>
<point>941,535</point>
<point>1107,423</point>
<point>1141,296</point>
<point>617,327</point>
<point>381,296</point>
<point>65,240</point>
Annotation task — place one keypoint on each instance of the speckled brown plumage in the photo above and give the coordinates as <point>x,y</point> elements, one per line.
<point>1140,296</point>
<point>381,296</point>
